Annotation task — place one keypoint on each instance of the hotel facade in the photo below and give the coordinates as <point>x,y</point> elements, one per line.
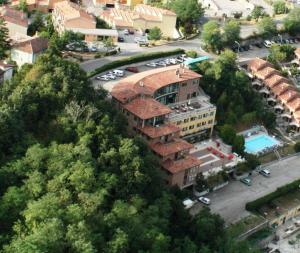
<point>156,104</point>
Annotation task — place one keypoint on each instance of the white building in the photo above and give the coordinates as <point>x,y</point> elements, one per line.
<point>27,51</point>
<point>6,71</point>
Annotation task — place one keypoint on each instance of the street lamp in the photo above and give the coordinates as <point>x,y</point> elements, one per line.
<point>280,36</point>
<point>238,46</point>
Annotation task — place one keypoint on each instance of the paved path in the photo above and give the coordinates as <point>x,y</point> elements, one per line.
<point>230,201</point>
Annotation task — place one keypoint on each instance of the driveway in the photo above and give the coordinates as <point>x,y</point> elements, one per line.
<point>230,201</point>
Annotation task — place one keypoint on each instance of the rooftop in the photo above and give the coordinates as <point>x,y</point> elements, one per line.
<point>275,80</point>
<point>289,96</point>
<point>14,16</point>
<point>257,64</point>
<point>181,165</point>
<point>146,108</point>
<point>33,45</point>
<point>98,32</point>
<point>165,149</point>
<point>266,72</point>
<point>155,132</point>
<point>294,105</point>
<point>282,88</point>
<point>148,82</point>
<point>4,65</point>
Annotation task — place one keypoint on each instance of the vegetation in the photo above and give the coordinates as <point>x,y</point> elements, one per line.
<point>154,34</point>
<point>267,27</point>
<point>37,24</point>
<point>134,59</point>
<point>101,24</point>
<point>230,89</point>
<point>258,12</point>
<point>251,163</point>
<point>23,6</point>
<point>292,21</point>
<point>188,13</point>
<point>297,147</point>
<point>254,206</point>
<point>279,7</point>
<point>191,53</point>
<point>281,53</point>
<point>232,31</point>
<point>4,40</point>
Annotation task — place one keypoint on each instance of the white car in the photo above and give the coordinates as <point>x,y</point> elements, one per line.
<point>137,39</point>
<point>267,43</point>
<point>111,76</point>
<point>173,61</point>
<point>102,78</point>
<point>126,32</point>
<point>265,173</point>
<point>204,200</point>
<point>151,64</point>
<point>118,72</point>
<point>161,63</point>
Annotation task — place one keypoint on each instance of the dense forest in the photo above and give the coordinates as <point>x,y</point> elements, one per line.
<point>71,180</point>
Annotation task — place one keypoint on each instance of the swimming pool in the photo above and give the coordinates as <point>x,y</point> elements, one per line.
<point>258,143</point>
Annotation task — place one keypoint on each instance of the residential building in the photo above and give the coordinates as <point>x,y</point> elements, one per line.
<point>27,51</point>
<point>39,5</point>
<point>16,21</point>
<point>297,53</point>
<point>148,100</point>
<point>278,91</point>
<point>6,71</point>
<point>68,16</point>
<point>142,17</point>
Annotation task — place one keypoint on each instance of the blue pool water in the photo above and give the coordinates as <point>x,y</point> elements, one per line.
<point>255,144</point>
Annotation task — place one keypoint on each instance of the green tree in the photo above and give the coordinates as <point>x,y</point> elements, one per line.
<point>154,34</point>
<point>101,24</point>
<point>297,147</point>
<point>23,6</point>
<point>292,22</point>
<point>267,27</point>
<point>228,134</point>
<point>231,32</point>
<point>279,7</point>
<point>108,43</point>
<point>4,40</point>
<point>37,24</point>
<point>211,35</point>
<point>187,11</point>
<point>201,183</point>
<point>281,53</point>
<point>258,12</point>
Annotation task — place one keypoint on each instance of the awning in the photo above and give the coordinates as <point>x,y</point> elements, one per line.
<point>270,99</point>
<point>257,83</point>
<point>279,107</point>
<point>294,123</point>
<point>285,115</point>
<point>266,91</point>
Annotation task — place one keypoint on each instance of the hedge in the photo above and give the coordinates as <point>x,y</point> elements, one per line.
<point>134,59</point>
<point>281,191</point>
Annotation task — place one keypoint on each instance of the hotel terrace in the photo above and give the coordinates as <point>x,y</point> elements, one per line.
<point>163,105</point>
<point>277,90</point>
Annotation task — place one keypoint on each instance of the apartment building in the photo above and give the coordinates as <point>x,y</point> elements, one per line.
<point>142,17</point>
<point>16,21</point>
<point>147,100</point>
<point>278,91</point>
<point>39,5</point>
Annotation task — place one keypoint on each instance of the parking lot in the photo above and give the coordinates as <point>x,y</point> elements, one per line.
<point>230,201</point>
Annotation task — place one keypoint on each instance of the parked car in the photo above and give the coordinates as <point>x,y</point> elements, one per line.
<point>246,181</point>
<point>111,76</point>
<point>161,63</point>
<point>265,173</point>
<point>118,72</point>
<point>102,78</point>
<point>137,39</point>
<point>204,200</point>
<point>132,69</point>
<point>131,31</point>
<point>143,43</point>
<point>93,49</point>
<point>258,44</point>
<point>267,43</point>
<point>126,32</point>
<point>173,61</point>
<point>188,203</point>
<point>151,64</point>
<point>120,39</point>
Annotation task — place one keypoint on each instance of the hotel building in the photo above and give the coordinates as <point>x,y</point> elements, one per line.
<point>154,102</point>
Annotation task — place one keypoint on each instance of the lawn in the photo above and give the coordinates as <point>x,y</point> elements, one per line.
<point>283,151</point>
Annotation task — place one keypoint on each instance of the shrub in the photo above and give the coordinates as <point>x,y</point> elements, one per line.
<point>192,54</point>
<point>281,191</point>
<point>297,147</point>
<point>134,59</point>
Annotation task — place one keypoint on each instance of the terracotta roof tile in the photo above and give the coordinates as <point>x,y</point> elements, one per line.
<point>275,80</point>
<point>289,96</point>
<point>282,88</point>
<point>147,108</point>
<point>258,64</point>
<point>266,73</point>
<point>14,16</point>
<point>165,149</point>
<point>294,105</point>
<point>181,165</point>
<point>154,132</point>
<point>34,45</point>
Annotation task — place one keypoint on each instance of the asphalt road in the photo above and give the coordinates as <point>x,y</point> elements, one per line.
<point>230,201</point>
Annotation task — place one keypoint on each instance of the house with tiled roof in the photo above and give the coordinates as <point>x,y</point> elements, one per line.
<point>165,106</point>
<point>6,71</point>
<point>16,21</point>
<point>28,51</point>
<point>142,17</point>
<point>39,5</point>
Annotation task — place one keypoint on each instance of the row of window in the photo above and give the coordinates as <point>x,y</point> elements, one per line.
<point>198,125</point>
<point>195,118</point>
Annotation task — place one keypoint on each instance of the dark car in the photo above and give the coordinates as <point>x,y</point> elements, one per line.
<point>120,39</point>
<point>259,45</point>
<point>132,69</point>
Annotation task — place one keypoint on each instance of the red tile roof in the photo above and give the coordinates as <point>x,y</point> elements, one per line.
<point>181,165</point>
<point>165,149</point>
<point>282,88</point>
<point>147,82</point>
<point>275,80</point>
<point>289,96</point>
<point>33,46</point>
<point>154,132</point>
<point>258,64</point>
<point>147,108</point>
<point>266,73</point>
<point>294,105</point>
<point>15,16</point>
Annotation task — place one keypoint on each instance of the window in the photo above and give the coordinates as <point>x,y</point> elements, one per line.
<point>188,96</point>
<point>191,127</point>
<point>184,84</point>
<point>212,113</point>
<point>195,81</point>
<point>194,94</point>
<point>203,123</point>
<point>184,129</point>
<point>200,117</point>
<point>186,120</point>
<point>205,115</point>
<point>135,118</point>
<point>199,125</point>
<point>179,122</point>
<point>210,121</point>
<point>193,118</point>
